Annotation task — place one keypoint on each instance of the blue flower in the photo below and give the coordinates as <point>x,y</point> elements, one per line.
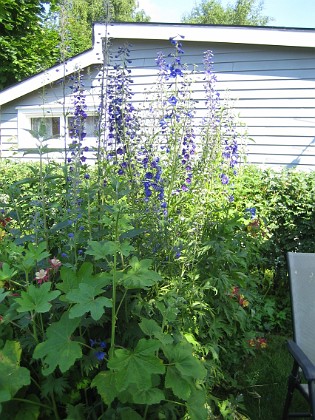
<point>224,179</point>
<point>147,192</point>
<point>100,355</point>
<point>93,342</point>
<point>172,100</point>
<point>103,344</point>
<point>251,211</point>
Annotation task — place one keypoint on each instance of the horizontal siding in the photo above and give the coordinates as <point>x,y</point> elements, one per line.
<point>272,89</point>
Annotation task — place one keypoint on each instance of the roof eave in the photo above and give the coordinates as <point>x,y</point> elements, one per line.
<point>50,75</point>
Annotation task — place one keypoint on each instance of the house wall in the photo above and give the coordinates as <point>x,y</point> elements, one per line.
<point>272,89</point>
<point>54,100</point>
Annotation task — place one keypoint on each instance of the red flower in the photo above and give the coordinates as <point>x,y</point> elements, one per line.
<point>5,221</point>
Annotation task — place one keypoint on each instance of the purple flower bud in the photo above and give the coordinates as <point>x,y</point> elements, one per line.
<point>224,179</point>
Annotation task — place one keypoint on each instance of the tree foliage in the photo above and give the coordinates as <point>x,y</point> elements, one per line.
<point>27,44</point>
<point>76,19</point>
<point>36,34</point>
<point>243,12</point>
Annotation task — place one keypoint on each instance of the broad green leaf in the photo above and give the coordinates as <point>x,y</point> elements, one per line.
<point>75,412</point>
<point>196,405</point>
<point>71,279</point>
<point>185,362</point>
<point>181,386</point>
<point>6,273</point>
<point>86,300</point>
<point>139,276</point>
<point>152,328</point>
<point>149,327</point>
<point>25,181</point>
<point>3,294</point>
<point>100,250</point>
<point>132,233</point>
<point>126,248</point>
<point>147,396</point>
<point>37,298</point>
<point>59,226</point>
<point>12,376</point>
<point>105,385</point>
<point>38,252</point>
<point>127,413</point>
<point>59,349</point>
<point>137,366</point>
<point>29,411</point>
<point>54,386</point>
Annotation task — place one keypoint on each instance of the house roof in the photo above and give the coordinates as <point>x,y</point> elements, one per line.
<point>273,36</point>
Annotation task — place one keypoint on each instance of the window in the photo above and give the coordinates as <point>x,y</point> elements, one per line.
<point>89,126</point>
<point>48,127</point>
<point>35,122</point>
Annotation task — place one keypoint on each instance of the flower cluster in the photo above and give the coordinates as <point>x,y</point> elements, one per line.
<point>99,346</point>
<point>213,103</point>
<point>77,130</point>
<point>219,124</point>
<point>123,124</point>
<point>42,275</point>
<point>174,69</point>
<point>3,223</point>
<point>240,297</point>
<point>153,178</point>
<point>177,135</point>
<point>258,343</point>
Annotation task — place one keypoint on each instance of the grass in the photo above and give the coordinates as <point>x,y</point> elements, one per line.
<point>265,383</point>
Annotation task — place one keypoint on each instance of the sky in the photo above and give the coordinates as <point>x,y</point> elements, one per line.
<point>286,13</point>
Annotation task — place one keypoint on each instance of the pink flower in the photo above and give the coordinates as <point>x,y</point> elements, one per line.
<point>55,263</point>
<point>41,276</point>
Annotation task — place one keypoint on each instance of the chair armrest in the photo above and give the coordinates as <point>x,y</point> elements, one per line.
<point>302,360</point>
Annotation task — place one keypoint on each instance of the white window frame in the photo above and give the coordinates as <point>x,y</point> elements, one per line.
<point>25,115</point>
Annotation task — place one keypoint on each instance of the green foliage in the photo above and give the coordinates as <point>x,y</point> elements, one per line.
<point>35,299</point>
<point>27,46</point>
<point>284,203</point>
<point>128,298</point>
<point>243,12</point>
<point>12,375</point>
<point>86,299</point>
<point>30,34</point>
<point>59,349</point>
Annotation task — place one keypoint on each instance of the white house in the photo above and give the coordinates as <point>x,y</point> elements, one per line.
<point>269,72</point>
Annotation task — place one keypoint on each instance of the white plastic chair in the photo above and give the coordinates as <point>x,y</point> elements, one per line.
<point>302,347</point>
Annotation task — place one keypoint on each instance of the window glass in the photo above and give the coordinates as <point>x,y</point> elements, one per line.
<point>46,127</point>
<point>89,126</point>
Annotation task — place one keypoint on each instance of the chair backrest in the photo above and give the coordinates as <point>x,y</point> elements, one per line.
<point>302,286</point>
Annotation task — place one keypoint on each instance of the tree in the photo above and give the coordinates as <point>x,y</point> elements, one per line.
<point>244,12</point>
<point>76,18</point>
<point>26,44</point>
<point>36,34</point>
